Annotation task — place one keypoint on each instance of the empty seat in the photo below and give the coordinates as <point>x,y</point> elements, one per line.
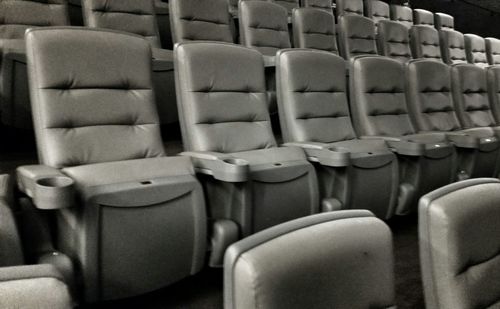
<point>98,140</point>
<point>289,5</point>
<point>452,46</point>
<point>379,111</point>
<point>423,17</point>
<point>377,10</point>
<point>444,21</point>
<point>314,114</point>
<point>356,36</point>
<point>458,237</point>
<point>424,42</point>
<point>325,5</point>
<point>475,50</point>
<point>205,20</point>
<point>431,107</point>
<point>349,7</point>
<point>393,40</point>
<point>402,14</point>
<point>335,260</point>
<point>492,50</point>
<point>314,28</point>
<point>255,184</point>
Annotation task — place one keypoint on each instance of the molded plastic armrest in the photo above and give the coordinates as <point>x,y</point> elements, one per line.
<point>462,140</point>
<point>323,153</point>
<point>15,55</point>
<point>222,166</point>
<point>163,60</point>
<point>269,61</point>
<point>403,147</point>
<point>47,186</point>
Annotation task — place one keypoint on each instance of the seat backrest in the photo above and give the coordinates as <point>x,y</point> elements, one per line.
<point>492,50</point>
<point>424,42</point>
<point>233,81</point>
<point>263,26</point>
<point>356,36</point>
<point>378,99</point>
<point>452,46</point>
<point>132,16</point>
<point>393,40</point>
<point>200,20</point>
<point>325,5</point>
<point>458,237</point>
<point>470,95</point>
<point>314,28</point>
<point>377,10</point>
<point>493,77</point>
<point>92,97</point>
<point>18,15</point>
<point>429,96</point>
<point>289,5</point>
<point>444,21</point>
<point>341,259</point>
<point>349,7</point>
<point>475,50</point>
<point>423,17</point>
<point>402,14</point>
<point>312,97</point>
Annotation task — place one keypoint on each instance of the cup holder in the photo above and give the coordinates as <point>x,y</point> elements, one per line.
<point>235,161</point>
<point>54,192</point>
<point>55,182</point>
<point>338,149</point>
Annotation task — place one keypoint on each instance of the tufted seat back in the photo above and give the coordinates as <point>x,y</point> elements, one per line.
<point>357,36</point>
<point>393,40</point>
<point>402,15</point>
<point>424,42</point>
<point>289,5</point>
<point>349,7</point>
<point>423,17</point>
<point>314,28</point>
<point>475,50</point>
<point>444,21</point>
<point>378,10</point>
<point>325,5</point>
<point>452,46</point>
<point>493,50</point>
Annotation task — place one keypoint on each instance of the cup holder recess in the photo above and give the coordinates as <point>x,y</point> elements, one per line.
<point>235,161</point>
<point>54,192</point>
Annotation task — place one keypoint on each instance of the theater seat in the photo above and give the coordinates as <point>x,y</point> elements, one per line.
<point>377,10</point>
<point>475,50</point>
<point>349,7</point>
<point>393,40</point>
<point>452,46</point>
<point>424,42</point>
<point>103,169</point>
<point>444,21</point>
<point>492,50</point>
<point>402,14</point>
<point>356,36</point>
<point>432,110</point>
<point>423,17</point>
<point>314,28</point>
<point>250,183</point>
<point>379,111</point>
<point>493,77</point>
<point>314,115</point>
<point>342,259</point>
<point>325,5</point>
<point>458,236</point>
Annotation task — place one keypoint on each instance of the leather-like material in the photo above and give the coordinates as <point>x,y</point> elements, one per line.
<point>378,10</point>
<point>424,41</point>
<point>493,76</point>
<point>330,260</point>
<point>218,112</point>
<point>207,20</point>
<point>475,50</point>
<point>444,21</point>
<point>325,5</point>
<point>263,26</point>
<point>314,28</point>
<point>452,46</point>
<point>470,95</point>
<point>83,117</point>
<point>459,261</point>
<point>356,36</point>
<point>349,7</point>
<point>402,14</point>
<point>289,5</point>
<point>493,50</point>
<point>423,17</point>
<point>393,40</point>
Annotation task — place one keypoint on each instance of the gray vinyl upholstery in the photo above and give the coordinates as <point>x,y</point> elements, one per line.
<point>424,41</point>
<point>378,10</point>
<point>325,5</point>
<point>356,36</point>
<point>459,260</point>
<point>206,20</point>
<point>334,260</point>
<point>493,50</point>
<point>97,126</point>
<point>349,7</point>
<point>493,76</point>
<point>393,40</point>
<point>423,17</point>
<point>136,17</point>
<point>444,21</point>
<point>402,14</point>
<point>289,5</point>
<point>314,28</point>
<point>452,46</point>
<point>475,50</point>
<point>263,26</point>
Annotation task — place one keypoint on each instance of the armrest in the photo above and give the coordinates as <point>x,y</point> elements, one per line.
<point>323,153</point>
<point>163,60</point>
<point>18,55</point>
<point>269,61</point>
<point>47,186</point>
<point>223,167</point>
<point>402,147</point>
<point>62,263</point>
<point>462,140</point>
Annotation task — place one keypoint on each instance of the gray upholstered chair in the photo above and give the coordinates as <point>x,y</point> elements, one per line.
<point>356,36</point>
<point>325,5</point>
<point>431,107</point>
<point>377,10</point>
<point>349,7</point>
<point>314,28</point>
<point>132,219</point>
<point>493,77</point>
<point>314,115</point>
<point>458,237</point>
<point>342,259</point>
<point>250,183</point>
<point>402,15</point>
<point>492,50</point>
<point>393,40</point>
<point>444,21</point>
<point>424,42</point>
<point>475,50</point>
<point>423,17</point>
<point>452,46</point>
<point>379,111</point>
